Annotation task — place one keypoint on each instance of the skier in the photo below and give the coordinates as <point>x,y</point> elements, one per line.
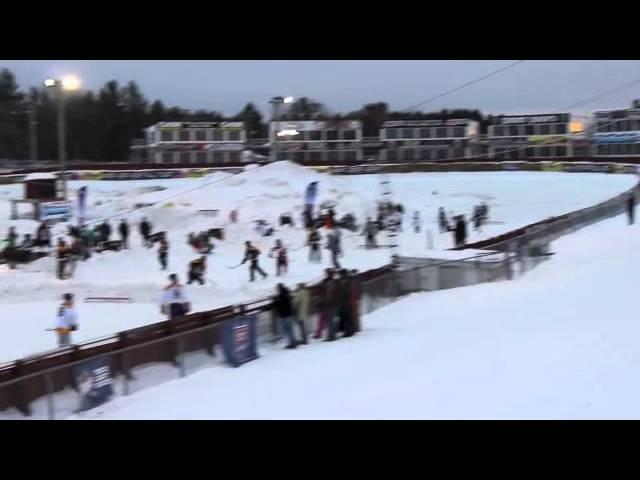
<point>174,302</point>
<point>443,223</point>
<point>301,304</point>
<point>631,205</point>
<point>416,221</point>
<point>163,252</point>
<point>197,269</point>
<point>460,231</point>
<point>252,253</point>
<point>284,309</point>
<point>43,236</point>
<point>370,232</point>
<point>145,232</point>
<point>62,254</point>
<point>333,244</point>
<point>313,240</point>
<point>476,217</point>
<point>484,213</point>
<point>67,320</point>
<point>279,252</point>
<point>123,229</point>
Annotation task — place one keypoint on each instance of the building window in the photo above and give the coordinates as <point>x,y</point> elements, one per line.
<point>234,157</point>
<point>350,156</point>
<point>528,130</point>
<point>459,132</point>
<point>561,128</point>
<point>217,136</point>
<point>392,155</point>
<point>332,156</point>
<point>530,152</point>
<point>332,135</point>
<point>316,135</point>
<point>514,131</point>
<point>442,154</point>
<point>201,135</point>
<point>545,151</point>
<point>623,125</point>
<point>410,155</point>
<point>185,157</point>
<point>233,135</point>
<point>425,154</point>
<point>408,133</point>
<point>304,135</point>
<point>298,156</point>
<point>441,132</point>
<point>219,157</point>
<point>185,135</point>
<point>348,134</point>
<point>391,133</point>
<point>561,151</point>
<point>544,129</point>
<point>425,133</point>
<point>166,135</point>
<point>167,157</point>
<point>201,157</point>
<point>497,131</point>
<point>316,156</point>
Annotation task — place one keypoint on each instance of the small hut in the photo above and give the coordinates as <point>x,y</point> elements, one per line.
<point>41,190</point>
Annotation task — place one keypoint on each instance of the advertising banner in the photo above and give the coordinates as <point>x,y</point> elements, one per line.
<point>55,210</point>
<point>616,137</point>
<point>551,166</point>
<point>310,195</point>
<point>239,340</point>
<point>547,139</point>
<point>94,383</point>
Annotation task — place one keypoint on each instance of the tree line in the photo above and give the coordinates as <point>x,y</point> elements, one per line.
<point>101,125</point>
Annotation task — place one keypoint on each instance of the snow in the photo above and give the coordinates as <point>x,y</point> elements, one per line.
<point>558,343</point>
<point>515,199</point>
<point>40,176</point>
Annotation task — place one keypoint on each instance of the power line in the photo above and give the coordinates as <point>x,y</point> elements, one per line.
<point>479,79</point>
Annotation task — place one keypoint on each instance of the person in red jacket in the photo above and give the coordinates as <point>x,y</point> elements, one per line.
<point>279,252</point>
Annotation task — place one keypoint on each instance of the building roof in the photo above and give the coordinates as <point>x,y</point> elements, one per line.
<point>40,176</point>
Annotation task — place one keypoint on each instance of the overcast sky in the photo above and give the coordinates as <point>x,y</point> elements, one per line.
<point>344,85</point>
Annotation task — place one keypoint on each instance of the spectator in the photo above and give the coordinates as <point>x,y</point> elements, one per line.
<point>174,301</point>
<point>43,236</point>
<point>62,254</point>
<point>284,309</point>
<point>327,306</point>
<point>67,320</point>
<point>123,229</point>
<point>301,303</point>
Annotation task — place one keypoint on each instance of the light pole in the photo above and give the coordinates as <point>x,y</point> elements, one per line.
<point>276,102</point>
<point>69,82</point>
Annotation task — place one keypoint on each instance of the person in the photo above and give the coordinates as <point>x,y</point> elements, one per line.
<point>333,244</point>
<point>123,229</point>
<point>484,213</point>
<point>476,217</point>
<point>145,232</point>
<point>344,301</point>
<point>105,231</point>
<point>631,205</point>
<point>416,221</point>
<point>174,302</point>
<point>301,304</point>
<point>43,236</point>
<point>62,254</point>
<point>370,232</point>
<point>197,269</point>
<point>307,217</point>
<point>252,253</point>
<point>86,241</point>
<point>233,216</point>
<point>327,307</point>
<point>443,223</point>
<point>284,309</point>
<point>10,249</point>
<point>356,287</point>
<point>460,232</point>
<point>163,252</point>
<point>75,253</point>
<point>67,320</point>
<point>279,252</point>
<point>313,240</point>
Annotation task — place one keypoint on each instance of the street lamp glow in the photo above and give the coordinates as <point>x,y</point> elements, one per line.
<point>70,82</point>
<point>288,99</point>
<point>49,82</point>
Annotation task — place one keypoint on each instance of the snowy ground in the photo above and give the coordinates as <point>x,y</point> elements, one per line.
<point>29,294</point>
<point>558,343</point>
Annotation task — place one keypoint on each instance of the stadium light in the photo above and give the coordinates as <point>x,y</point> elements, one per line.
<point>49,82</point>
<point>70,82</point>
<point>288,99</point>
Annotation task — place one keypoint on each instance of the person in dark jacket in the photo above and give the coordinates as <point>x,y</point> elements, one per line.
<point>443,223</point>
<point>460,231</point>
<point>344,311</point>
<point>197,270</point>
<point>105,231</point>
<point>313,240</point>
<point>284,309</point>
<point>252,253</point>
<point>63,253</point>
<point>123,229</point>
<point>333,244</point>
<point>631,206</point>
<point>328,294</point>
<point>145,232</point>
<point>163,252</point>
<point>43,236</point>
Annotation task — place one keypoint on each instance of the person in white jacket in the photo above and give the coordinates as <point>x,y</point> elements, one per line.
<point>301,304</point>
<point>67,320</point>
<point>174,302</point>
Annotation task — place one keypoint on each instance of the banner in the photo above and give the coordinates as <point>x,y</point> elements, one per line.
<point>310,196</point>
<point>239,340</point>
<point>82,205</point>
<point>94,383</point>
<point>55,210</point>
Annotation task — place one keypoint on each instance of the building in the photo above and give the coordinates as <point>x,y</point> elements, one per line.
<point>316,141</point>
<point>183,143</point>
<point>425,140</point>
<point>530,136</point>
<point>616,133</point>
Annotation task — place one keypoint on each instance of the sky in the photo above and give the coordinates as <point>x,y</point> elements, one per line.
<point>535,86</point>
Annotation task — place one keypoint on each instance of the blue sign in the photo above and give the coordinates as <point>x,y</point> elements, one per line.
<point>239,340</point>
<point>55,210</point>
<point>94,383</point>
<point>310,195</point>
<point>616,137</point>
